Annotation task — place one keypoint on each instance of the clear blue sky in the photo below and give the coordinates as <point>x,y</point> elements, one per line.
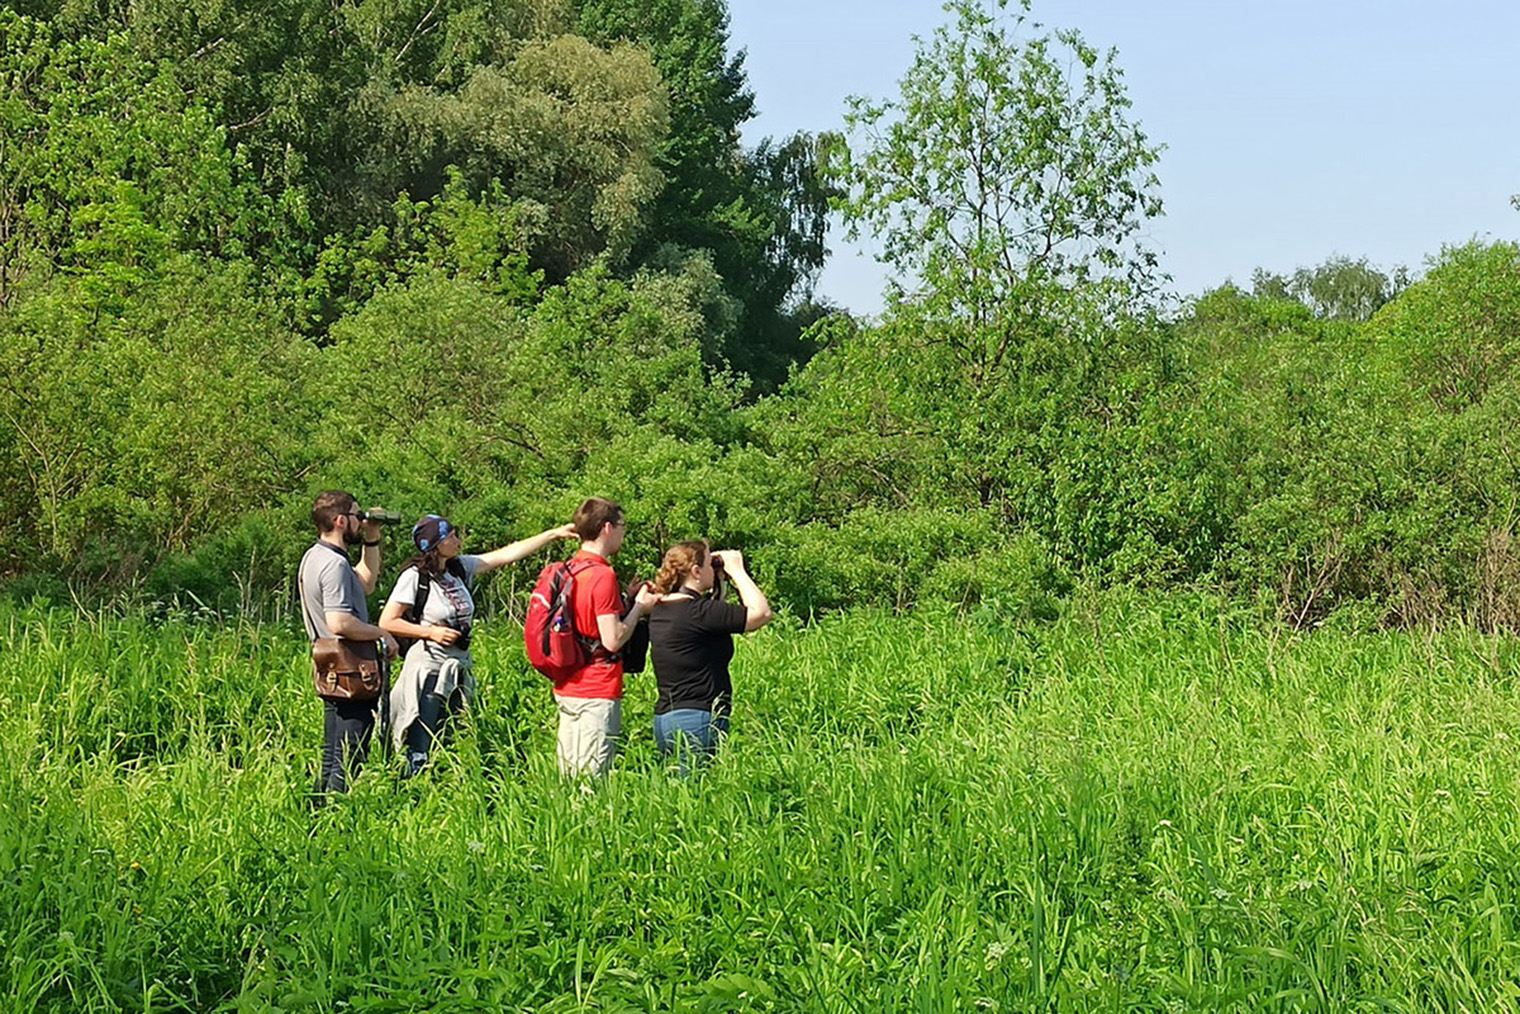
<point>1293,130</point>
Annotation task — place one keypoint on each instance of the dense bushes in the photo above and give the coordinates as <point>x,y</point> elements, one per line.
<point>1355,473</point>
<point>184,362</point>
<point>1304,462</point>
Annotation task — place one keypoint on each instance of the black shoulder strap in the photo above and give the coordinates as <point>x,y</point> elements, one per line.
<point>424,585</point>
<point>592,643</point>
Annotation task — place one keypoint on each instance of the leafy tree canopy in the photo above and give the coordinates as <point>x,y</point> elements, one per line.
<point>1338,289</point>
<point>761,213</point>
<point>109,164</point>
<point>344,108</point>
<point>1008,167</point>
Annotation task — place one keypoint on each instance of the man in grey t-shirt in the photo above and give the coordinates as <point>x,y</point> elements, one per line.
<point>333,605</point>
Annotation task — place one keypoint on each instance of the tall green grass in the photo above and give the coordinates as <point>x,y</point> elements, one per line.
<point>1146,805</point>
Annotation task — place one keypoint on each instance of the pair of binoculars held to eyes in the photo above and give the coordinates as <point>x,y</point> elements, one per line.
<point>381,516</point>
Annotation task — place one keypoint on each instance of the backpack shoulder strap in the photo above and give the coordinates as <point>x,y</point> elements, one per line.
<point>591,641</point>
<point>424,585</point>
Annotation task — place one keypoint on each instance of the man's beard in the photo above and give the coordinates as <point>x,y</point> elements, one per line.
<point>352,537</point>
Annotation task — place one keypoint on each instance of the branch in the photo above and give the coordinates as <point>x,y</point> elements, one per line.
<point>515,442</point>
<point>419,30</point>
<point>208,48</point>
<point>260,118</point>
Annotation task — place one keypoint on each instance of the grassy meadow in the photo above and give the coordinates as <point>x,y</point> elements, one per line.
<point>1148,804</point>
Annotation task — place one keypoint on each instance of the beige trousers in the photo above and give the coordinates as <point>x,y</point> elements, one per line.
<point>588,735</point>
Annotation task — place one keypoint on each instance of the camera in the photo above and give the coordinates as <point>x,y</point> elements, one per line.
<point>381,516</point>
<point>717,561</point>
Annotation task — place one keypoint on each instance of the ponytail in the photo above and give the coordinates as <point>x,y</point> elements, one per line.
<point>678,562</point>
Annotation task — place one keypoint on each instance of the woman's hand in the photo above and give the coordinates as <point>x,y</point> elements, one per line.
<point>565,531</point>
<point>732,558</point>
<point>756,607</point>
<point>439,634</point>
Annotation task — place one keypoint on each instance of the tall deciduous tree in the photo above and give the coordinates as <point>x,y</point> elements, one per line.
<point>570,131</point>
<point>1009,190</point>
<point>1339,289</point>
<point>1007,171</point>
<point>761,213</point>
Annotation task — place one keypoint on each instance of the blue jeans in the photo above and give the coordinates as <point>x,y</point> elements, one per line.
<point>432,714</point>
<point>690,735</point>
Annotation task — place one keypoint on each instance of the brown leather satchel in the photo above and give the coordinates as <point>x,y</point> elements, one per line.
<point>344,670</point>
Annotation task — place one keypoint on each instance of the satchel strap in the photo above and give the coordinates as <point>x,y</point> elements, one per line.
<point>306,621</point>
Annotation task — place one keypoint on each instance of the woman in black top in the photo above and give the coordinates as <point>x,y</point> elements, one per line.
<point>691,643</point>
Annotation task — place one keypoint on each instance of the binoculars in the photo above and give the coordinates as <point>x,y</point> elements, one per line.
<point>380,515</point>
<point>465,630</point>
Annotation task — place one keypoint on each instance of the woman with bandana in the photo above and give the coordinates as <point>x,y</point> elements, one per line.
<point>433,607</point>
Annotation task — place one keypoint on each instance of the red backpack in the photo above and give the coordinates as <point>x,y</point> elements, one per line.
<point>555,647</point>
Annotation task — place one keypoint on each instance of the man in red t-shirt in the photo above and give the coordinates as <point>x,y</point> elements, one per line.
<point>591,699</point>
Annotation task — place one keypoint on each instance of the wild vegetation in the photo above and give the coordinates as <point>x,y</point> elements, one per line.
<point>250,257</point>
<point>1149,804</point>
<point>1140,653</point>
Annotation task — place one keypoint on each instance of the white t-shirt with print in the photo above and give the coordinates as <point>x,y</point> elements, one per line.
<point>449,601</point>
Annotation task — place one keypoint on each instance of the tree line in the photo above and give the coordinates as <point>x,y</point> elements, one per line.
<point>489,258</point>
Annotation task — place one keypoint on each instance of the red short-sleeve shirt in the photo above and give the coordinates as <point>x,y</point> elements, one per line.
<point>596,594</point>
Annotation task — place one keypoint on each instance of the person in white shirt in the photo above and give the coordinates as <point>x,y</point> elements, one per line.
<point>436,677</point>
